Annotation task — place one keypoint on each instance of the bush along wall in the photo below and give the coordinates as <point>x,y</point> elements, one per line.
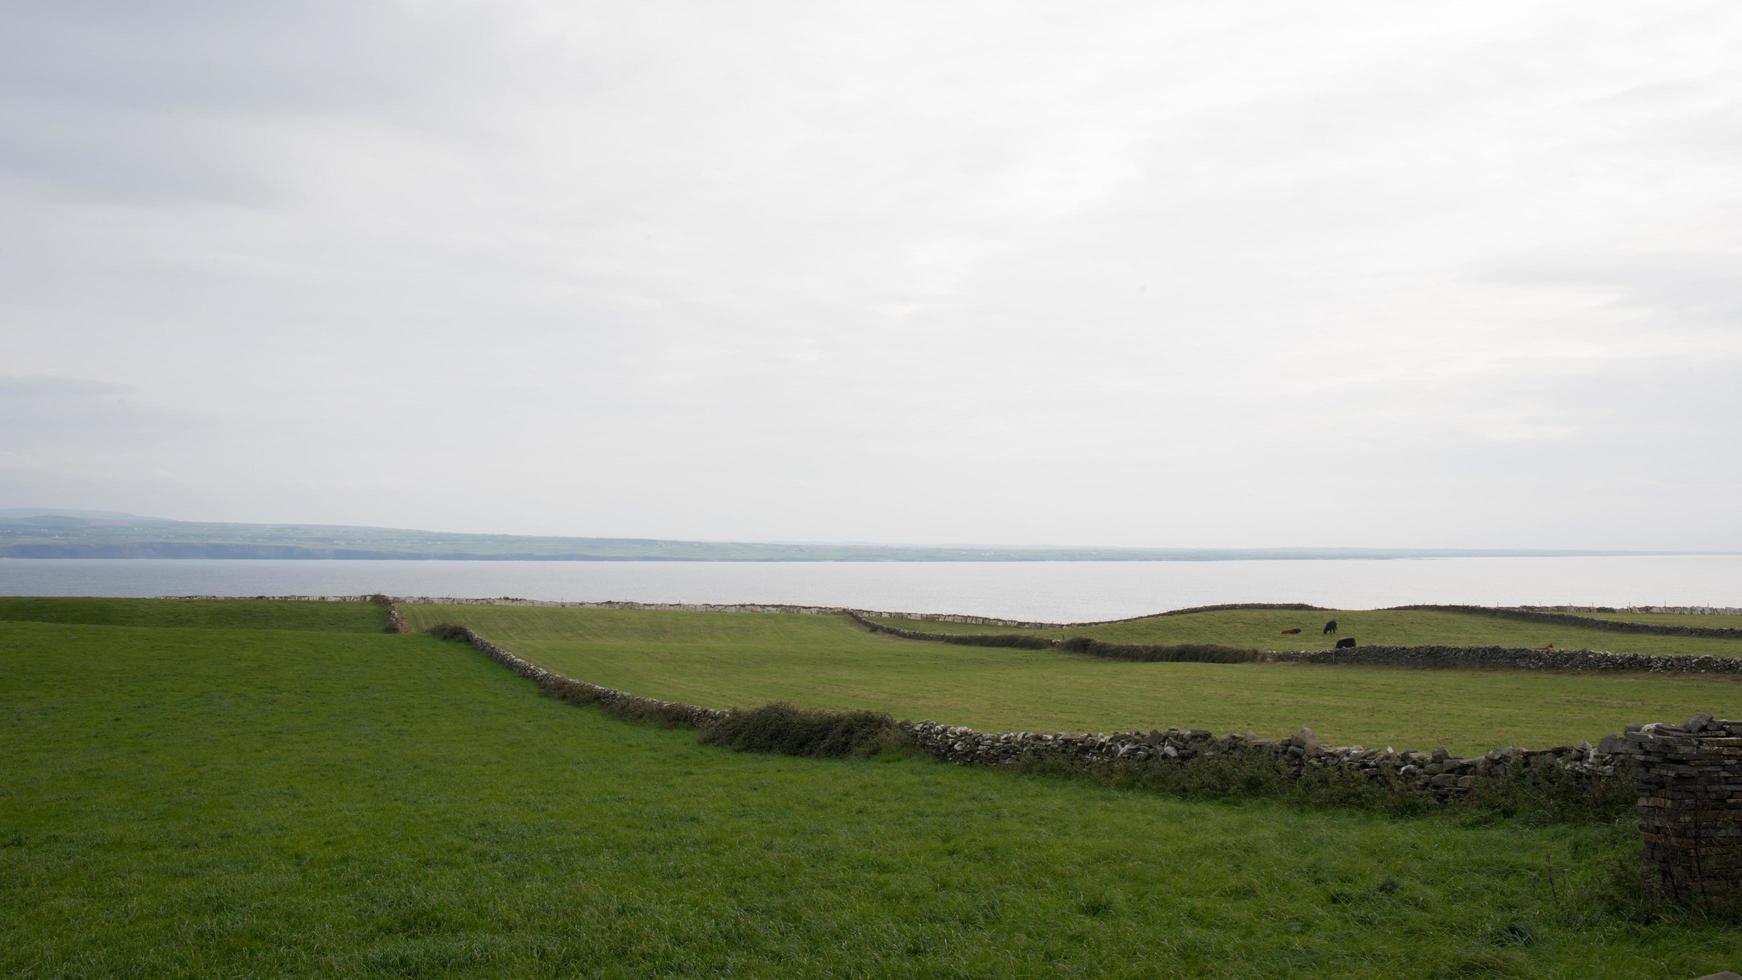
<point>790,730</point>
<point>1378,656</point>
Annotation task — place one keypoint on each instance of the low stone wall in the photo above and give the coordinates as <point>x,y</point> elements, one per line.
<point>1437,657</point>
<point>390,610</point>
<point>581,692</point>
<point>1689,782</point>
<point>1509,658</point>
<point>1670,610</point>
<point>1436,775</point>
<point>1560,618</point>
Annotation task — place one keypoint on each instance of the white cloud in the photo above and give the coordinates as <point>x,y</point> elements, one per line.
<point>1182,274</point>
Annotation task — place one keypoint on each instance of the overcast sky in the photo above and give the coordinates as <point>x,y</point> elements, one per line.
<point>1194,274</point>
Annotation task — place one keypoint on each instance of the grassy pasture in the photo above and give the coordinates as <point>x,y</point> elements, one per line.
<point>1261,629</point>
<point>354,617</point>
<point>206,801</point>
<point>748,659</point>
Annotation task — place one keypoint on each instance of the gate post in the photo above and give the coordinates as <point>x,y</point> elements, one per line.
<point>1689,781</point>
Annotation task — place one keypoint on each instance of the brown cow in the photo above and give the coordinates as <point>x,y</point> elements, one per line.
<point>1290,632</point>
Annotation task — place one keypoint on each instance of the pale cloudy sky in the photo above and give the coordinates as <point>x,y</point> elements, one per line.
<point>1220,273</point>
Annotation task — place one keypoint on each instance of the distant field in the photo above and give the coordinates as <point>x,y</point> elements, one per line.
<point>1261,629</point>
<point>359,617</point>
<point>747,659</point>
<point>232,802</point>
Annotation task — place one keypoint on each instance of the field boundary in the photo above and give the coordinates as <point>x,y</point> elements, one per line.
<point>1560,618</point>
<point>565,688</point>
<point>1573,781</point>
<point>1441,657</point>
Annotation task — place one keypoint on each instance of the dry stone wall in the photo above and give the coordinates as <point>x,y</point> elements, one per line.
<point>1671,610</point>
<point>395,616</point>
<point>1436,775</point>
<point>1519,659</point>
<point>581,692</point>
<point>1379,656</point>
<point>1561,618</point>
<point>1689,782</point>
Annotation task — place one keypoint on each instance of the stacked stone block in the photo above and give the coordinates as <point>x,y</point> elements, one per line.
<point>1689,780</point>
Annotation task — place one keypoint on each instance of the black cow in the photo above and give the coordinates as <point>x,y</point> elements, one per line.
<point>1330,627</point>
<point>1346,643</point>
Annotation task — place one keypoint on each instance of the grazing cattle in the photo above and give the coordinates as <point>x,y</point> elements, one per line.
<point>1330,627</point>
<point>1546,649</point>
<point>1291,632</point>
<point>1345,643</point>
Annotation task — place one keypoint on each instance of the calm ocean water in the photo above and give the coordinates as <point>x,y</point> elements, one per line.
<point>1059,591</point>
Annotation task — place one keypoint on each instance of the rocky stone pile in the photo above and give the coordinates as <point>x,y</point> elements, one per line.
<point>1437,774</point>
<point>1689,781</point>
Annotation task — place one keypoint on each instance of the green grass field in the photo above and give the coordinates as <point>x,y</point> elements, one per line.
<point>353,617</point>
<point>207,801</point>
<point>748,659</point>
<point>1261,629</point>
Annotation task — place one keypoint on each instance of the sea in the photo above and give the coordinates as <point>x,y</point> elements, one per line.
<point>1038,590</point>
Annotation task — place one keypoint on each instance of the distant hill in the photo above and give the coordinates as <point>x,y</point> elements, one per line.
<point>49,533</point>
<point>94,515</point>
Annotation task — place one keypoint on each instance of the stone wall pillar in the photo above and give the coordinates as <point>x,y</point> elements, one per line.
<point>1689,780</point>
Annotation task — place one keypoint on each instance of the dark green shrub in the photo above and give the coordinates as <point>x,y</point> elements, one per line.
<point>450,631</point>
<point>1553,794</point>
<point>788,730</point>
<point>1015,640</point>
<point>1202,653</point>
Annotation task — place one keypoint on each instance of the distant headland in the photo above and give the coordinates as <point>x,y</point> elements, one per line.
<point>60,533</point>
